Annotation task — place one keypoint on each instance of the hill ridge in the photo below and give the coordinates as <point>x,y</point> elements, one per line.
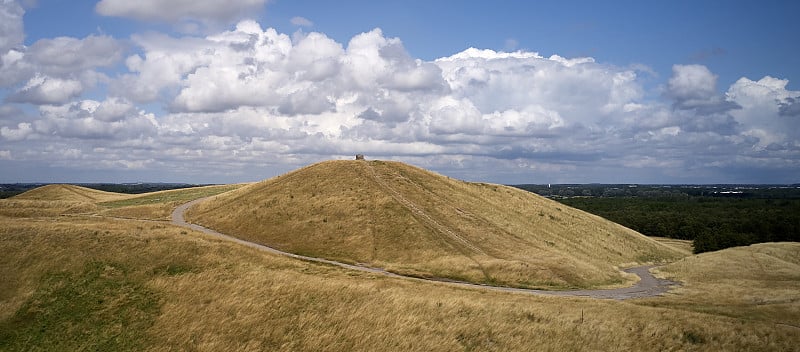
<point>68,192</point>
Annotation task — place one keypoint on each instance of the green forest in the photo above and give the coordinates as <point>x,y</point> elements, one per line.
<point>713,217</point>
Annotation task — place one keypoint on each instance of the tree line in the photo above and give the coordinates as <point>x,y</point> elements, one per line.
<point>713,219</point>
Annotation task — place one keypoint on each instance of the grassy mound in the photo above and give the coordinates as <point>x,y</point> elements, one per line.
<point>53,200</point>
<point>759,282</point>
<point>412,221</point>
<point>69,193</point>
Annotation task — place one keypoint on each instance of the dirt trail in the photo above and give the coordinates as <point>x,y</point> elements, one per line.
<point>421,214</point>
<point>648,285</point>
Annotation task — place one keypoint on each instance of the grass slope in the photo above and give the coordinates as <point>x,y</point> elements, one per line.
<point>53,200</point>
<point>159,205</point>
<point>87,283</point>
<point>412,221</point>
<point>69,193</point>
<point>757,282</point>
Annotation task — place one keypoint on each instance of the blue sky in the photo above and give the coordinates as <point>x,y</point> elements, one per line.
<point>624,91</point>
<point>733,38</point>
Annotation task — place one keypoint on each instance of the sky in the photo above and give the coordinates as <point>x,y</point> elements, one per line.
<point>203,91</point>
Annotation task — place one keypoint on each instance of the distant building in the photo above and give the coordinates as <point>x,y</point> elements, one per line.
<point>359,156</point>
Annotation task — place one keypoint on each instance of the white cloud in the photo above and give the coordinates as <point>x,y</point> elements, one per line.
<point>262,68</point>
<point>55,71</point>
<point>581,90</point>
<point>11,28</point>
<point>11,38</point>
<point>5,155</point>
<point>692,82</point>
<point>90,119</point>
<point>694,87</point>
<point>113,110</point>
<point>246,68</point>
<point>760,114</point>
<point>315,57</point>
<point>301,21</point>
<point>166,62</point>
<point>65,55</point>
<point>47,90</point>
<point>173,10</point>
<point>22,131</point>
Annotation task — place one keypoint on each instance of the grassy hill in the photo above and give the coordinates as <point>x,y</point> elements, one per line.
<point>53,200</point>
<point>412,221</point>
<point>756,282</point>
<point>69,193</point>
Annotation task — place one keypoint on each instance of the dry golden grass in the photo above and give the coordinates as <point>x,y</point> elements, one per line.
<point>684,246</point>
<point>411,221</point>
<point>31,208</point>
<point>758,282</point>
<point>159,205</point>
<point>213,295</point>
<point>98,283</point>
<point>70,193</point>
<point>53,200</point>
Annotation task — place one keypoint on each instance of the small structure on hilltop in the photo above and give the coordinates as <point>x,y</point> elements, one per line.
<point>359,156</point>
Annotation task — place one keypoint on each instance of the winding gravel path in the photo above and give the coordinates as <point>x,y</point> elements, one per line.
<point>648,285</point>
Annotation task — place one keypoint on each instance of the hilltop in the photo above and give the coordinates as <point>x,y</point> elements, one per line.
<point>416,222</point>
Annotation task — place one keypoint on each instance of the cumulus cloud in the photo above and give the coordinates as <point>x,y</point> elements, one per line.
<point>165,63</point>
<point>22,131</point>
<point>65,55</point>
<point>694,87</point>
<point>790,106</point>
<point>174,10</point>
<point>114,110</point>
<point>47,90</point>
<point>87,119</point>
<point>11,28</point>
<point>580,89</point>
<point>766,111</point>
<point>309,74</point>
<point>692,82</point>
<point>55,71</point>
<point>11,36</point>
